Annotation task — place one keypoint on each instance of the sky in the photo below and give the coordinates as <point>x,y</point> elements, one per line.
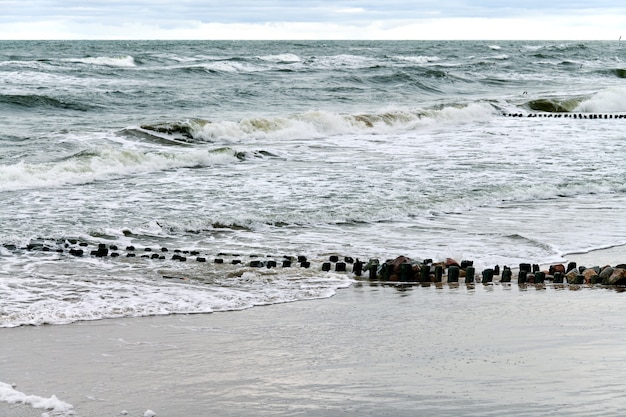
<point>313,19</point>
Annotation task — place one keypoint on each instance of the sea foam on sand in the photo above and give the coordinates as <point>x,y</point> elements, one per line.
<point>371,349</point>
<point>9,394</point>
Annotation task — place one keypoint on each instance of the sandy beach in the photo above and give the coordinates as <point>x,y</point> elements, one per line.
<point>371,349</point>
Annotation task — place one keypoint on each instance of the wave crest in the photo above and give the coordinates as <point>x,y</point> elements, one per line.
<point>281,58</point>
<point>34,101</point>
<point>316,124</point>
<point>554,105</point>
<point>126,61</point>
<point>102,164</point>
<point>184,129</point>
<point>606,101</point>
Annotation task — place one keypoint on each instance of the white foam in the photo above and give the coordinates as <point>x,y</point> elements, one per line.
<point>230,67</point>
<point>119,61</point>
<point>343,61</point>
<point>533,48</point>
<point>418,59</point>
<point>21,78</point>
<point>606,101</point>
<point>463,114</point>
<point>105,163</point>
<point>9,394</point>
<point>317,124</point>
<point>127,292</point>
<point>281,58</point>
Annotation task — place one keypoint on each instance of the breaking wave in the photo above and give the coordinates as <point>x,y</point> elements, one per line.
<point>126,61</point>
<point>102,164</point>
<point>552,105</point>
<point>612,100</point>
<point>606,101</point>
<point>316,124</point>
<point>281,58</point>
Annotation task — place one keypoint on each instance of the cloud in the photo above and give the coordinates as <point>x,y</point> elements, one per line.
<point>309,19</point>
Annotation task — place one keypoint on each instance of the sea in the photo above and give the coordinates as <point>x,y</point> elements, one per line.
<point>146,178</point>
<point>274,150</point>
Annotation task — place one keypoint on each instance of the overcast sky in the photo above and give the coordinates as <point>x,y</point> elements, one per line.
<point>312,19</point>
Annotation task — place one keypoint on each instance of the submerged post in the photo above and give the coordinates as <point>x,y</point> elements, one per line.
<point>488,275</point>
<point>406,272</point>
<point>522,276</point>
<point>438,273</point>
<point>453,273</point>
<point>540,277</point>
<point>507,274</point>
<point>558,277</point>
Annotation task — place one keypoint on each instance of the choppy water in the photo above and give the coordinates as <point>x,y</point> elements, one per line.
<point>364,149</point>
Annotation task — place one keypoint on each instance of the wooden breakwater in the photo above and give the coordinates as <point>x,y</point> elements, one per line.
<point>582,116</point>
<point>400,269</point>
<point>404,270</point>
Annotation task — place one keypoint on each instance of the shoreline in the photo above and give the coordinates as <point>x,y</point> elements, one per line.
<point>612,255</point>
<point>370,349</point>
<point>134,365</point>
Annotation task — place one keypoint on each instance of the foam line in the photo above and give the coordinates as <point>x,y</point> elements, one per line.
<point>9,394</point>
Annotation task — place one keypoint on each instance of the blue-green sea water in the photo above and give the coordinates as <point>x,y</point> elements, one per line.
<point>262,150</point>
<point>362,149</point>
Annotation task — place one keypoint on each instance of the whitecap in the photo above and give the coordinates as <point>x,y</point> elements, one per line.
<point>421,59</point>
<point>104,163</point>
<point>281,58</point>
<point>119,61</point>
<point>316,124</point>
<point>605,101</point>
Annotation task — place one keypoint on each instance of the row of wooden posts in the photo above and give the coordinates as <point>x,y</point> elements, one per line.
<point>589,116</point>
<point>398,270</point>
<point>428,272</point>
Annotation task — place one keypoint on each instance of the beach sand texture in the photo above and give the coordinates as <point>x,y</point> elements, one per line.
<point>372,349</point>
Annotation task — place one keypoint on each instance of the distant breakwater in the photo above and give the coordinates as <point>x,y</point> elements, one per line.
<point>588,116</point>
<point>401,270</point>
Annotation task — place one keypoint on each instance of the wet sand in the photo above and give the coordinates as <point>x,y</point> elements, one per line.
<point>370,350</point>
<point>614,255</point>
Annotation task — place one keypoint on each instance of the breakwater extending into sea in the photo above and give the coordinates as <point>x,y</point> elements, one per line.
<point>569,115</point>
<point>400,269</point>
<point>362,150</point>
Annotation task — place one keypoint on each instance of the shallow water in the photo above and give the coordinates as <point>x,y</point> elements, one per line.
<point>273,149</point>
